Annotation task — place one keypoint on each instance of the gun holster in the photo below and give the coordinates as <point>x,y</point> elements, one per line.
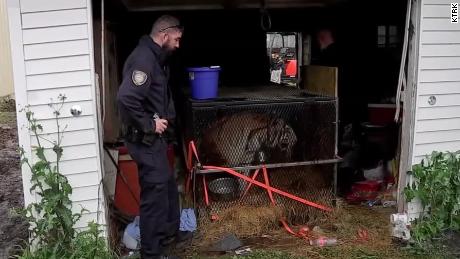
<point>134,135</point>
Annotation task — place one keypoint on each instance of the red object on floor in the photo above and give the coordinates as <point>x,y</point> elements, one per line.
<point>127,190</point>
<point>291,68</point>
<point>381,114</point>
<point>364,191</point>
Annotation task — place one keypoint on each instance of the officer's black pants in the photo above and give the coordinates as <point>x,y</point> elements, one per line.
<point>159,208</point>
<point>159,217</point>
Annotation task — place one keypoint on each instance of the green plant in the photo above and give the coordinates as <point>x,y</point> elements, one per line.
<point>437,186</point>
<point>52,221</point>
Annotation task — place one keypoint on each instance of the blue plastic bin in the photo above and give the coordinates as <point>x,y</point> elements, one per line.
<point>204,82</point>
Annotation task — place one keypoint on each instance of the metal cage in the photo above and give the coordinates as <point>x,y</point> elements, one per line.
<point>286,130</point>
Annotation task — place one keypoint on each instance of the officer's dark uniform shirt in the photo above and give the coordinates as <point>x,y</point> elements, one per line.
<point>144,92</point>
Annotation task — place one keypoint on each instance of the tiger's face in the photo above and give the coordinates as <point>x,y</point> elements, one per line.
<point>282,138</point>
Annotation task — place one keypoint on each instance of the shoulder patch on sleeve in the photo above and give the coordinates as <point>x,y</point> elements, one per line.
<point>139,78</point>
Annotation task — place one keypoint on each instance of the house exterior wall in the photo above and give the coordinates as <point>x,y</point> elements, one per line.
<point>437,124</point>
<point>52,50</point>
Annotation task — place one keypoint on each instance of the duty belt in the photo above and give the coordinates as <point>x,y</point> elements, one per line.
<point>136,136</point>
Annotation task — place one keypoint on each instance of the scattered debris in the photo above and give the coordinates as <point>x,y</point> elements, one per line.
<point>318,230</point>
<point>188,220</point>
<point>364,191</point>
<point>304,232</point>
<point>387,204</point>
<point>323,241</point>
<point>400,226</point>
<point>243,251</point>
<point>228,243</point>
<point>363,235</point>
<point>343,224</point>
<point>132,235</point>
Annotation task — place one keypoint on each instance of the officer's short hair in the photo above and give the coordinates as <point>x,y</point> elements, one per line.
<point>164,23</point>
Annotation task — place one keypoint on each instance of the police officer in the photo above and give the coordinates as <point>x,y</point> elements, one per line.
<point>147,112</point>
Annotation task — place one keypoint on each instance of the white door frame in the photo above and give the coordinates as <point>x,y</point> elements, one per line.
<point>409,104</point>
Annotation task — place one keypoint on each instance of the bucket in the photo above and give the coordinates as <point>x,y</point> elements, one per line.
<point>204,82</point>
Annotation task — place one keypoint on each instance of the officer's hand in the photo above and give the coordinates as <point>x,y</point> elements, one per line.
<point>160,125</point>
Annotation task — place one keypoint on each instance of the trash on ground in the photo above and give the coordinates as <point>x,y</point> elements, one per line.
<point>132,235</point>
<point>188,220</point>
<point>364,191</point>
<point>243,251</point>
<point>373,193</point>
<point>363,235</point>
<point>317,230</point>
<point>400,226</point>
<point>323,241</point>
<point>228,243</point>
<point>387,204</point>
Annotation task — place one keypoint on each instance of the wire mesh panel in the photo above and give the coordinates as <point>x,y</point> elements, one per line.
<point>312,183</point>
<point>262,126</point>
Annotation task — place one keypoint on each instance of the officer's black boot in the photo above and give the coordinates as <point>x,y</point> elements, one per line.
<point>183,236</point>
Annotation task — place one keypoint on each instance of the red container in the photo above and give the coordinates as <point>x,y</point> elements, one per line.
<point>364,191</point>
<point>127,194</point>
<point>291,68</point>
<point>127,189</point>
<point>381,114</point>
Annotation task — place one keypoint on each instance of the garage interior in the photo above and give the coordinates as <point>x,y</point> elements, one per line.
<point>243,37</point>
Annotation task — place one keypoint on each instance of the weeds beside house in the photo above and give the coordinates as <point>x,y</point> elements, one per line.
<point>437,187</point>
<point>51,217</point>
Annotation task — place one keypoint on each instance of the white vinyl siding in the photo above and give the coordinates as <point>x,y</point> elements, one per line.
<point>437,127</point>
<point>73,94</point>
<point>57,58</point>
<point>28,6</point>
<point>55,34</point>
<point>56,49</point>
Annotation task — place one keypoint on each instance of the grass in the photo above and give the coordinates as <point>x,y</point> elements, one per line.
<point>357,252</point>
<point>342,225</point>
<point>258,254</point>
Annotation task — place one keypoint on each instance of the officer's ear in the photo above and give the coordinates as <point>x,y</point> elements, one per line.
<point>165,37</point>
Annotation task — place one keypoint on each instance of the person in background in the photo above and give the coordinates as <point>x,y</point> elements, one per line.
<point>147,111</point>
<point>276,62</point>
<point>329,53</point>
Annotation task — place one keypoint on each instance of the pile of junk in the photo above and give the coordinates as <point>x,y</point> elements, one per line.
<point>369,171</point>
